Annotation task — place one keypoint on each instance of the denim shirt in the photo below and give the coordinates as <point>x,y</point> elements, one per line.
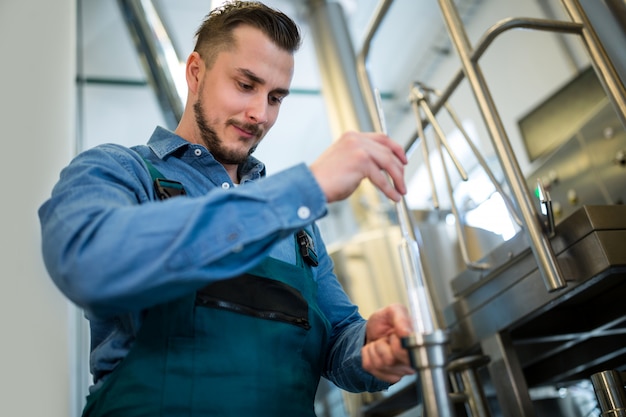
<point>114,250</point>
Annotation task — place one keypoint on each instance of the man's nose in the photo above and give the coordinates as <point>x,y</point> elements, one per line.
<point>258,110</point>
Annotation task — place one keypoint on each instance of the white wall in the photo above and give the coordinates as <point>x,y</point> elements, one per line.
<point>37,44</point>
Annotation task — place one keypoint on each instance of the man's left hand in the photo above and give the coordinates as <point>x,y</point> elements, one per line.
<point>383,354</point>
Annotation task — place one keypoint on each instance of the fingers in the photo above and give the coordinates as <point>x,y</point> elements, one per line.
<point>401,319</point>
<point>389,180</point>
<point>356,156</point>
<point>387,169</point>
<point>386,359</point>
<point>383,354</point>
<point>393,318</point>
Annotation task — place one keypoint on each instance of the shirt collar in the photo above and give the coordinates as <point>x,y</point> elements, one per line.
<point>251,169</point>
<point>164,142</point>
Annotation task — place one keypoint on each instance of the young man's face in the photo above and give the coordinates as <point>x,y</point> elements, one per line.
<point>239,96</point>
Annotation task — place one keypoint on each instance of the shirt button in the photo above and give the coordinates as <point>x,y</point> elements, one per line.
<point>225,185</point>
<point>198,152</point>
<point>304,212</point>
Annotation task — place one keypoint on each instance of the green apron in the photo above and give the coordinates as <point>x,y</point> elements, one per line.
<point>247,346</point>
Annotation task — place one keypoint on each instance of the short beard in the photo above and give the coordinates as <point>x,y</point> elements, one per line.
<point>214,144</point>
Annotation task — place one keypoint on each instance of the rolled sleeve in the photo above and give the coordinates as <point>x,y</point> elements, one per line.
<point>347,372</point>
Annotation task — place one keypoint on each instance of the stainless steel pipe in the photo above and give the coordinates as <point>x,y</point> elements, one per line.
<point>467,386</point>
<point>609,389</point>
<point>428,353</point>
<point>159,56</point>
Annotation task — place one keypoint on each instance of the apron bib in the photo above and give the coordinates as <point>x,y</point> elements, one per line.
<point>246,346</point>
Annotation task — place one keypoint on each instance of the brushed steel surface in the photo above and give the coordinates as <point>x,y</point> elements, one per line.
<point>561,335</point>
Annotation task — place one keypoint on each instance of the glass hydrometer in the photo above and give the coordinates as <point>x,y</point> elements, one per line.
<point>420,305</point>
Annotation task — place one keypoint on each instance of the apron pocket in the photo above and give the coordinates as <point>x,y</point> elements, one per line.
<point>257,297</point>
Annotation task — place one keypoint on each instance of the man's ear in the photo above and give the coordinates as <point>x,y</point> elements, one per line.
<point>194,72</point>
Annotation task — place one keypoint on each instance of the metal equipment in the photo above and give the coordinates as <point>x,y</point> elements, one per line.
<point>512,303</point>
<point>609,388</point>
<point>512,291</point>
<point>157,53</point>
<point>428,344</point>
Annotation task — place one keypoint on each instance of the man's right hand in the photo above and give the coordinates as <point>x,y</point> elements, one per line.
<point>355,156</point>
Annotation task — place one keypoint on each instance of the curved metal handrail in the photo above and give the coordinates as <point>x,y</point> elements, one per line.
<point>483,44</point>
<point>539,241</point>
<point>361,62</point>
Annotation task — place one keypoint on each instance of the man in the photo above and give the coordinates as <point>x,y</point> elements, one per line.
<point>221,301</point>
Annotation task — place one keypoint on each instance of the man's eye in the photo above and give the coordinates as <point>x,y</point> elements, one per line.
<point>276,99</point>
<point>245,86</point>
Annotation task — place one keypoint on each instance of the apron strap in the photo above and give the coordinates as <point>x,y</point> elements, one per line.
<point>163,187</point>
